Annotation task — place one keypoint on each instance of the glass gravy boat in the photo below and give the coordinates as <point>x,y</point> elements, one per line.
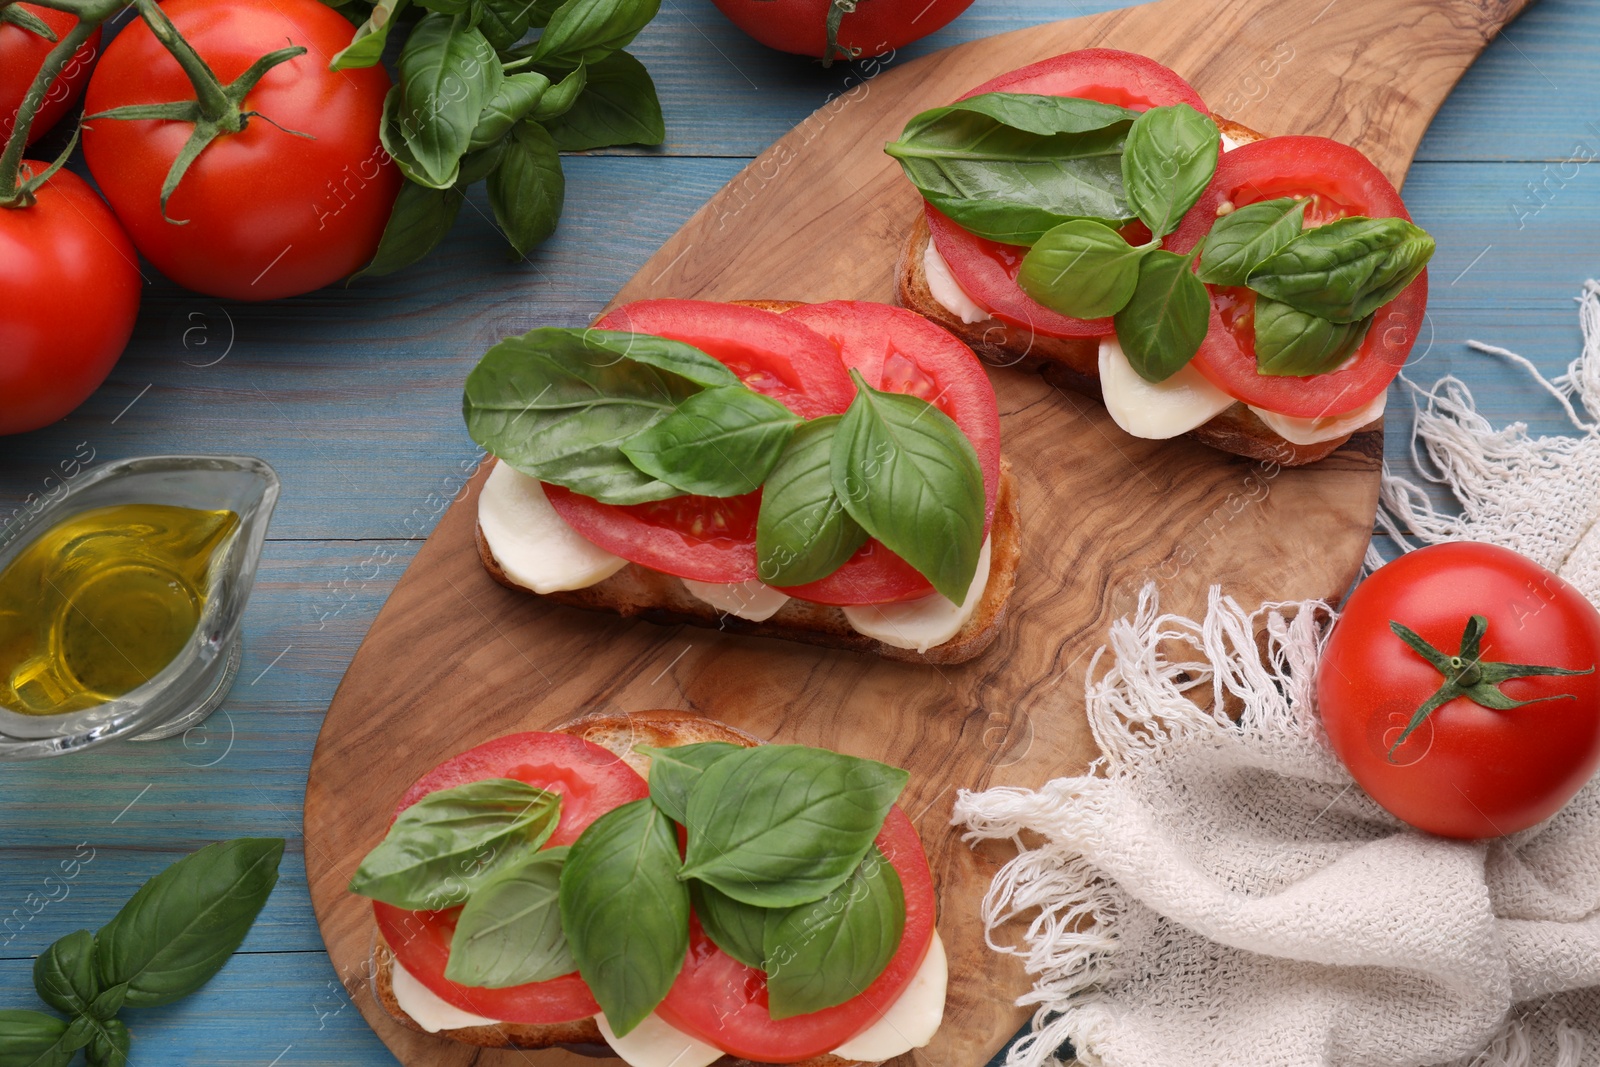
<point>195,682</point>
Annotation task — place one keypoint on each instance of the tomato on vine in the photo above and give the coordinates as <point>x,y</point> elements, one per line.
<point>840,29</point>
<point>1459,687</point>
<point>241,168</point>
<point>27,34</point>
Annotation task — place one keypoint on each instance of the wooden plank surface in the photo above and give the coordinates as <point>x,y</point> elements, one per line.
<point>352,395</point>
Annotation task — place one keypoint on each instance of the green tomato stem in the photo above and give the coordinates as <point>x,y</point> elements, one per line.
<point>215,106</point>
<point>15,193</point>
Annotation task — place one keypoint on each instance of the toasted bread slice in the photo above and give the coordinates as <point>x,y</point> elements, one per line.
<point>637,591</point>
<point>1074,362</point>
<point>620,734</point>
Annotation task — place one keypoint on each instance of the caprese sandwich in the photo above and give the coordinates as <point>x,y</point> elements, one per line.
<point>1088,215</point>
<point>827,473</point>
<point>663,888</point>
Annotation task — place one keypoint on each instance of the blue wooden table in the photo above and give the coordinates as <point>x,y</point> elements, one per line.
<point>353,395</point>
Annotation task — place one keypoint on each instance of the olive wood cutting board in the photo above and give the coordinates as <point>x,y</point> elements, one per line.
<point>454,659</point>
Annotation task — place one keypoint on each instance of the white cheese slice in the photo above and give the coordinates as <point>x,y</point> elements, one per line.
<point>748,600</point>
<point>1312,431</point>
<point>1229,144</point>
<point>1156,410</point>
<point>657,1043</point>
<point>426,1008</point>
<point>920,624</point>
<point>911,1020</point>
<point>945,290</point>
<point>531,542</point>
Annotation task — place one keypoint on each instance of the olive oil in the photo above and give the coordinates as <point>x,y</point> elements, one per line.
<point>101,602</point>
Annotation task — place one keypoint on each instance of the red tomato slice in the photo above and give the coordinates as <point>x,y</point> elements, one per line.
<point>724,1002</point>
<point>900,351</point>
<point>711,539</point>
<point>987,270</point>
<point>1340,181</point>
<point>591,781</point>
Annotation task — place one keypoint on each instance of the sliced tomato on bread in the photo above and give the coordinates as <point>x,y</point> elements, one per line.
<point>1339,181</point>
<point>987,270</point>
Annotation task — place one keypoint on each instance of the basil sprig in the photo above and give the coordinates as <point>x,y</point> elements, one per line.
<point>448,844</point>
<point>1009,166</point>
<point>910,477</point>
<point>824,953</point>
<point>803,532</point>
<point>509,932</point>
<point>784,825</point>
<point>167,941</point>
<point>474,103</point>
<point>1346,270</point>
<point>625,913</point>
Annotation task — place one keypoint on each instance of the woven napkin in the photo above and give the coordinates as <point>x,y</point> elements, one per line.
<point>1217,890</point>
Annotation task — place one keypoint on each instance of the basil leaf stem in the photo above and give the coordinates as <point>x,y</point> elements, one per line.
<point>824,953</point>
<point>909,476</point>
<point>1162,327</point>
<point>625,913</point>
<point>1169,159</point>
<point>450,842</point>
<point>509,933</point>
<point>183,924</point>
<point>783,825</point>
<point>803,532</point>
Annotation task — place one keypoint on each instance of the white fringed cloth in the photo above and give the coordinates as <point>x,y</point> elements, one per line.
<point>1218,891</point>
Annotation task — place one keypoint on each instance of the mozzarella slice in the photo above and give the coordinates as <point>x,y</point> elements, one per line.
<point>1229,144</point>
<point>748,600</point>
<point>945,290</point>
<point>1312,431</point>
<point>1156,410</point>
<point>657,1043</point>
<point>921,624</point>
<point>531,542</point>
<point>912,1020</point>
<point>426,1008</point>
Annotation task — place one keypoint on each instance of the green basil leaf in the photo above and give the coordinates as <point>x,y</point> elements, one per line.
<point>1242,240</point>
<point>619,106</point>
<point>1296,344</point>
<point>734,927</point>
<point>419,220</point>
<point>448,73</point>
<point>673,772</point>
<point>366,47</point>
<point>109,1002</point>
<point>527,189</point>
<point>586,31</point>
<point>509,932</point>
<point>1010,166</point>
<point>625,912</point>
<point>447,7</point>
<point>516,98</point>
<point>392,136</point>
<point>557,404</point>
<point>183,924</point>
<point>1170,157</point>
<point>478,165</point>
<point>560,99</point>
<point>34,1039</point>
<point>1082,268</point>
<point>1346,270</point>
<point>781,825</point>
<point>803,532</point>
<point>685,361</point>
<point>446,845</point>
<point>109,1044</point>
<point>541,11</point>
<point>910,477</point>
<point>1161,328</point>
<point>504,22</point>
<point>64,974</point>
<point>720,442</point>
<point>827,952</point>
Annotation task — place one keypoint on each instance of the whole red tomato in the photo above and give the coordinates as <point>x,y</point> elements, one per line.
<point>22,53</point>
<point>1458,687</point>
<point>71,282</point>
<point>265,213</point>
<point>868,27</point>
